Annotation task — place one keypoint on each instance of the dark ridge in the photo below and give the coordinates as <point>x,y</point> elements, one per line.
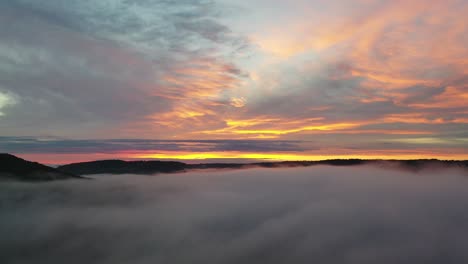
<point>153,167</point>
<point>123,167</point>
<point>280,164</point>
<point>14,168</point>
<point>417,165</point>
<point>345,162</point>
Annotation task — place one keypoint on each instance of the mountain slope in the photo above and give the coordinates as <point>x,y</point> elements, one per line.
<point>12,167</point>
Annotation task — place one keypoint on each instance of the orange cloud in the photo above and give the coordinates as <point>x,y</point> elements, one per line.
<point>382,49</point>
<point>419,118</point>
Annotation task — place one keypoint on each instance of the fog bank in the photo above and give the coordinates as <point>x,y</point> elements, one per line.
<point>318,214</point>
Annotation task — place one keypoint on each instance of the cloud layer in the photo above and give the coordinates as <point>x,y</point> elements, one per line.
<point>321,214</point>
<point>61,151</point>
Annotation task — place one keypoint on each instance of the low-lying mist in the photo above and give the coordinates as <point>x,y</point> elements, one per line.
<point>319,214</point>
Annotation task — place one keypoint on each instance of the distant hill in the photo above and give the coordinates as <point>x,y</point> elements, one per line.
<point>123,167</point>
<point>153,167</point>
<point>14,168</point>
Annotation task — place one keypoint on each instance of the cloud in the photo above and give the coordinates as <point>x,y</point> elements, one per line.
<point>64,146</point>
<point>367,63</point>
<point>112,65</point>
<point>238,102</point>
<point>56,151</point>
<point>5,100</point>
<point>302,215</point>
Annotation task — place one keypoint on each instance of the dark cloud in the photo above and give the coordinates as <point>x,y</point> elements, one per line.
<point>327,91</point>
<point>421,94</point>
<point>54,145</point>
<point>320,215</point>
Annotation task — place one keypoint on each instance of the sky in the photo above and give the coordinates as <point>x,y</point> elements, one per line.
<point>233,79</point>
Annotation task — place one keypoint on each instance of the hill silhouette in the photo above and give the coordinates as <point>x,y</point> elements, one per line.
<point>153,167</point>
<point>14,168</point>
<point>123,167</point>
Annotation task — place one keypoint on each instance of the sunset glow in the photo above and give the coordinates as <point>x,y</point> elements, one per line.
<point>228,79</point>
<point>287,156</point>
